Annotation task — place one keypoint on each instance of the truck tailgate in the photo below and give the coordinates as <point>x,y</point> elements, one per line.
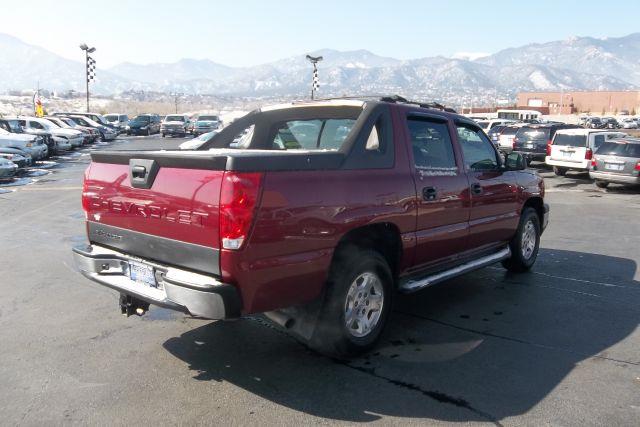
<point>174,221</point>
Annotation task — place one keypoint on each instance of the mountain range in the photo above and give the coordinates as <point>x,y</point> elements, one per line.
<point>578,63</point>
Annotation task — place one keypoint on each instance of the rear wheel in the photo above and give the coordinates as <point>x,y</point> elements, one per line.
<point>525,244</point>
<point>560,171</point>
<point>357,303</point>
<point>602,184</point>
<point>163,135</point>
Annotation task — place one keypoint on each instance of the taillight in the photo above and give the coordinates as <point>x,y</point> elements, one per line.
<point>637,166</point>
<point>239,195</point>
<point>588,155</point>
<point>594,163</point>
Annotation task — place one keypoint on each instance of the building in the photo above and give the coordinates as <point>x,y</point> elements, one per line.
<point>594,102</point>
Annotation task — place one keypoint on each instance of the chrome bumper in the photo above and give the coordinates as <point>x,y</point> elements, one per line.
<point>614,178</point>
<point>193,293</point>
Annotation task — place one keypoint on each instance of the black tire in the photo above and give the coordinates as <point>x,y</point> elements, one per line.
<point>163,135</point>
<point>560,171</point>
<point>148,132</point>
<point>602,184</point>
<point>332,337</point>
<point>522,259</point>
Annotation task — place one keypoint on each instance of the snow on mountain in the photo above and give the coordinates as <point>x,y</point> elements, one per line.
<point>576,63</point>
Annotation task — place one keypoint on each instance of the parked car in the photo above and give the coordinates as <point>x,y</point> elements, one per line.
<point>617,161</point>
<point>610,123</point>
<point>65,138</point>
<point>106,133</point>
<point>572,149</point>
<point>21,158</point>
<point>505,139</point>
<point>197,142</point>
<point>594,123</point>
<point>317,217</point>
<point>628,123</point>
<point>16,124</point>
<point>31,144</point>
<point>144,124</point>
<point>205,124</point>
<point>532,140</point>
<point>119,121</point>
<point>98,118</point>
<point>58,121</point>
<point>487,125</point>
<point>175,124</point>
<point>7,168</point>
<point>94,133</point>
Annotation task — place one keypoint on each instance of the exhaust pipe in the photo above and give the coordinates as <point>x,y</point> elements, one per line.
<point>280,318</point>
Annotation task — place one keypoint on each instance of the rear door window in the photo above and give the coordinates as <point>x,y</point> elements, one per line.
<point>431,145</point>
<point>570,140</point>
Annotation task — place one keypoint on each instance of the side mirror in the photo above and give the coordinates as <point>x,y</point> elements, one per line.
<point>515,162</point>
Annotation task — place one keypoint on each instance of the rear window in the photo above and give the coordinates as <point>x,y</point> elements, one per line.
<point>175,119</point>
<point>619,149</point>
<point>483,124</point>
<point>509,131</point>
<point>570,140</point>
<point>533,134</point>
<point>211,118</point>
<point>328,134</point>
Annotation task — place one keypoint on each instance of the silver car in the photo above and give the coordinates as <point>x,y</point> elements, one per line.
<point>617,161</point>
<point>7,168</point>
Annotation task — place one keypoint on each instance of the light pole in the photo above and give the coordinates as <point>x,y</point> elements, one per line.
<point>315,84</point>
<point>90,66</point>
<point>176,99</point>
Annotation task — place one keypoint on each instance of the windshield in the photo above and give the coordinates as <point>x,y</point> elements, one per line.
<point>111,118</point>
<point>141,119</point>
<point>208,118</point>
<point>14,126</point>
<point>621,149</point>
<point>70,122</point>
<point>570,140</point>
<point>174,119</point>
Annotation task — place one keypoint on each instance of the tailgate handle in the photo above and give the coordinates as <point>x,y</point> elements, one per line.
<point>138,171</point>
<point>143,172</point>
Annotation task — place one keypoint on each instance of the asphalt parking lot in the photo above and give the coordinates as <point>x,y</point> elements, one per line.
<point>559,345</point>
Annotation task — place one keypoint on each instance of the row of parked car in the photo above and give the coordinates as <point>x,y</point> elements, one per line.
<point>609,156</point>
<point>610,122</point>
<point>25,140</point>
<point>171,125</point>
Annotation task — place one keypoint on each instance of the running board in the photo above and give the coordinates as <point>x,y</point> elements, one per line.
<point>413,285</point>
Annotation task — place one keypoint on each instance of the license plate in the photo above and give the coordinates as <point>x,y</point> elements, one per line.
<point>566,154</point>
<point>613,166</point>
<point>528,145</point>
<point>142,273</point>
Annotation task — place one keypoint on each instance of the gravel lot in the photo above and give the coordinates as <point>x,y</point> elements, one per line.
<point>559,345</point>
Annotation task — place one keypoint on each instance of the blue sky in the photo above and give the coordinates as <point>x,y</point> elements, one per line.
<point>251,32</point>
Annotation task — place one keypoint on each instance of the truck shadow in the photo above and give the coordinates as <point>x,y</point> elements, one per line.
<point>482,347</point>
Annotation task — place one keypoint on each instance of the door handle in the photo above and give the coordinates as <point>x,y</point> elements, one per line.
<point>476,188</point>
<point>429,193</point>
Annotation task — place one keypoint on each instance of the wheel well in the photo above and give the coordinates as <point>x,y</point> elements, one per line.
<point>537,204</point>
<point>383,238</point>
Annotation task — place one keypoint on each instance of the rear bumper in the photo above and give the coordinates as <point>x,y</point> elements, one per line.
<point>181,290</point>
<point>174,131</point>
<point>615,178</point>
<point>581,165</point>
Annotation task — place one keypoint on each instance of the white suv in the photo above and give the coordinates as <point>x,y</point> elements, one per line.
<point>572,149</point>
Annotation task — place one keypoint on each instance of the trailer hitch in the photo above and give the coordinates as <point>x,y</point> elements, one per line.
<point>130,305</point>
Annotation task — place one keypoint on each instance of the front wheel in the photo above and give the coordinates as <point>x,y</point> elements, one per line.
<point>357,303</point>
<point>525,244</point>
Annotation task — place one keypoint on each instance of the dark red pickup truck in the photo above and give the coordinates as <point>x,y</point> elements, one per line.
<point>313,213</point>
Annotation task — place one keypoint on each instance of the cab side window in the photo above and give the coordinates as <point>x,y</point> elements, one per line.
<point>431,145</point>
<point>479,154</point>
